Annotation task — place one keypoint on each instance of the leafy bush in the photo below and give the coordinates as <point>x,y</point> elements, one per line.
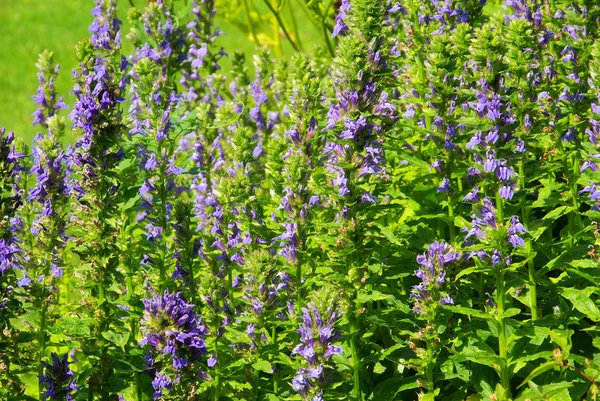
<point>415,218</point>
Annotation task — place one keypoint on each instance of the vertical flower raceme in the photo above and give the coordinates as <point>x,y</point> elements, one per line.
<point>175,336</point>
<point>265,292</point>
<point>10,253</point>
<point>96,184</point>
<point>318,338</point>
<point>43,246</point>
<point>300,162</point>
<point>153,108</point>
<point>428,295</point>
<point>45,99</point>
<point>494,244</point>
<point>58,379</point>
<point>202,57</point>
<point>10,201</point>
<point>357,119</point>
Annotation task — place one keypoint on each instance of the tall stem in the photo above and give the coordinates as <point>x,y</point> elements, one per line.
<point>502,343</point>
<point>249,22</point>
<point>281,24</point>
<point>451,218</point>
<point>276,373</point>
<point>356,393</point>
<point>42,340</point>
<point>529,245</point>
<point>430,364</point>
<point>499,208</point>
<point>218,367</point>
<point>299,288</point>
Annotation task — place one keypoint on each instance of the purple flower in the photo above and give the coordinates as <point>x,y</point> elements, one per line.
<point>171,327</point>
<point>340,27</point>
<point>317,336</point>
<point>58,379</point>
<point>432,272</point>
<point>445,186</point>
<point>472,196</point>
<point>160,383</point>
<point>514,230</point>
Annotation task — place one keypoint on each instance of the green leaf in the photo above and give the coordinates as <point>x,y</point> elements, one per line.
<point>511,312</point>
<point>543,368</point>
<point>582,302</point>
<point>470,270</point>
<point>364,297</point>
<point>117,339</point>
<point>378,368</point>
<point>483,357</point>
<point>130,203</point>
<point>556,213</point>
<point>387,389</point>
<point>468,311</point>
<point>263,366</point>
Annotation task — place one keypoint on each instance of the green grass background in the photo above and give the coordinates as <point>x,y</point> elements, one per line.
<point>27,27</point>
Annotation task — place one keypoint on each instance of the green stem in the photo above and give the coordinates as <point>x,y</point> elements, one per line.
<point>281,24</point>
<point>574,217</point>
<point>356,392</point>
<point>430,364</point>
<point>250,25</point>
<point>192,280</point>
<point>451,217</point>
<point>326,32</point>
<point>502,343</point>
<point>529,245</point>
<point>294,24</point>
<point>299,294</point>
<point>276,375</point>
<point>499,208</point>
<point>42,340</point>
<point>230,285</point>
<point>481,290</point>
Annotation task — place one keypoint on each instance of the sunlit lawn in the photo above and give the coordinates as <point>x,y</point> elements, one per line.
<point>27,27</point>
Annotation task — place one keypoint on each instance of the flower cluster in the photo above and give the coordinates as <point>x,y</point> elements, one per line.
<point>59,379</point>
<point>45,99</point>
<point>434,265</point>
<point>172,328</point>
<point>318,335</point>
<point>10,200</point>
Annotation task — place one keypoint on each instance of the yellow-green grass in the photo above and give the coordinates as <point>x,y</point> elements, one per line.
<point>27,27</point>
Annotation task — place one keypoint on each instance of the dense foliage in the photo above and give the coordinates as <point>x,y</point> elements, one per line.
<point>416,217</point>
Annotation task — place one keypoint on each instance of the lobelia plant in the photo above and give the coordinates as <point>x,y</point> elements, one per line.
<point>248,230</point>
<point>356,121</point>
<point>45,228</point>
<point>10,198</point>
<point>318,335</point>
<point>428,296</point>
<point>94,182</point>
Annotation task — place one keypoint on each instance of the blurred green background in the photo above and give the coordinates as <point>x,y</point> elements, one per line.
<point>27,27</point>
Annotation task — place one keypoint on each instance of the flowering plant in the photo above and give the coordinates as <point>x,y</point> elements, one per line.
<point>408,212</point>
